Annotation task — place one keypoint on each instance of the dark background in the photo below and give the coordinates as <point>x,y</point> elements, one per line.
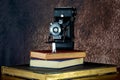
<point>24,26</point>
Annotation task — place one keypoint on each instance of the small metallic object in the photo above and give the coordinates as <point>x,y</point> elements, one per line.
<point>53,47</point>
<point>62,15</point>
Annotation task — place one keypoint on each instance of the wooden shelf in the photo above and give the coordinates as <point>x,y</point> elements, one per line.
<point>86,69</point>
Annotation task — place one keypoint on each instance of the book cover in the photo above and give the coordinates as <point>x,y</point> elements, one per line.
<point>56,63</point>
<point>59,55</point>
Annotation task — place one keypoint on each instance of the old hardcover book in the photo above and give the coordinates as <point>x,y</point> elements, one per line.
<point>86,69</point>
<point>56,63</point>
<point>59,55</point>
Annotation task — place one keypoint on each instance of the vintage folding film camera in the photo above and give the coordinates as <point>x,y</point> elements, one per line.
<point>62,29</point>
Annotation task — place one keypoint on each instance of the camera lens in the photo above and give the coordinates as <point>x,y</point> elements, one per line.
<point>55,29</point>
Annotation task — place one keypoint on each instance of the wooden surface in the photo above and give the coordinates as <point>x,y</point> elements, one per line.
<point>88,69</point>
<point>101,77</point>
<point>98,77</point>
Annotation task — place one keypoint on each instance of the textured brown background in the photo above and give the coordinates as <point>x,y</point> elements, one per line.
<point>97,28</point>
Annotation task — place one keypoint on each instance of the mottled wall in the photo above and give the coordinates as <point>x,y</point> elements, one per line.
<point>97,31</point>
<point>24,26</point>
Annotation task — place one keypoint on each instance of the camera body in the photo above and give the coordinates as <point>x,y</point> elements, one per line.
<point>62,29</point>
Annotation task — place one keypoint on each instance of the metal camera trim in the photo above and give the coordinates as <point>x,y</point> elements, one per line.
<point>53,25</point>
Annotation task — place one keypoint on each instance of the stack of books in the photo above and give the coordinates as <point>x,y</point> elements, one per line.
<point>61,59</point>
